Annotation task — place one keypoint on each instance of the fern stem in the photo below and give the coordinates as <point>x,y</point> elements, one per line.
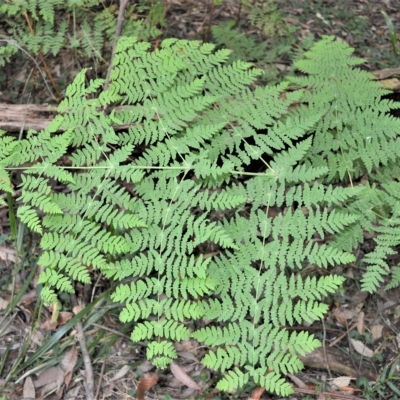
<point>11,216</point>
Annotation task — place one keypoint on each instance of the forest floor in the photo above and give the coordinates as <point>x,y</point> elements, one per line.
<point>361,333</point>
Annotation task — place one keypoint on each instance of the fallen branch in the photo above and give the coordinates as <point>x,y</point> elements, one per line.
<point>37,117</point>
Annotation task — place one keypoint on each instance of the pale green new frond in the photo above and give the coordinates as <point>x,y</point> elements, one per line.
<point>176,310</point>
<point>349,238</point>
<point>140,265</point>
<point>395,282</point>
<point>302,173</point>
<point>290,157</point>
<point>29,216</point>
<point>223,359</point>
<point>168,328</point>
<point>51,277</point>
<point>302,342</point>
<point>233,380</point>
<point>336,52</point>
<point>272,382</point>
<point>216,336</point>
<point>73,266</point>
<point>313,288</point>
<point>5,183</point>
<point>138,290</point>
<point>283,133</point>
<point>181,309</point>
<point>7,145</point>
<point>324,255</point>
<point>161,353</point>
<point>320,194</point>
<point>308,311</point>
<point>49,296</point>
<point>39,198</point>
<point>354,133</point>
<point>373,277</point>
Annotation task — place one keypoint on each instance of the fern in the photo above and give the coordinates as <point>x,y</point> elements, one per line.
<point>355,136</point>
<point>44,33</point>
<point>244,47</point>
<point>356,133</point>
<point>145,220</point>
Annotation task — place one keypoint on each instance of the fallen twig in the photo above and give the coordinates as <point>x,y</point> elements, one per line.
<point>89,384</point>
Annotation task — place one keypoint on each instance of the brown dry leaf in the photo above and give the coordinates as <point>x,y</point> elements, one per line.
<point>361,348</point>
<point>148,380</point>
<point>376,331</point>
<point>77,309</point>
<point>339,315</point>
<point>257,393</point>
<point>281,67</point>
<point>54,377</point>
<point>29,389</point>
<point>68,363</point>
<point>350,273</point>
<point>110,322</point>
<point>188,355</point>
<point>396,314</point>
<point>183,377</point>
<point>360,324</point>
<point>49,376</point>
<point>73,393</point>
<point>121,373</point>
<point>186,345</point>
<point>145,366</point>
<point>354,311</point>
<point>349,390</point>
<point>64,317</point>
<point>341,381</point>
<point>3,304</point>
<point>48,325</point>
<point>297,381</point>
<point>7,254</point>
<point>49,388</point>
<point>28,298</point>
<point>37,336</point>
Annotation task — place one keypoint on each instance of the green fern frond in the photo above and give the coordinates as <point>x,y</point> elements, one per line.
<point>29,216</point>
<point>161,353</point>
<point>233,380</point>
<point>170,209</point>
<point>62,283</point>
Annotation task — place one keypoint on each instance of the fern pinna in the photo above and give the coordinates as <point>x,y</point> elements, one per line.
<point>183,225</point>
<point>86,26</point>
<point>357,137</point>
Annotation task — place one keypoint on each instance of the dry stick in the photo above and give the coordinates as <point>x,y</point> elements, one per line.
<point>324,350</point>
<point>103,367</point>
<point>89,385</point>
<point>338,339</point>
<point>332,395</point>
<point>120,20</point>
<point>350,345</point>
<point>115,332</point>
